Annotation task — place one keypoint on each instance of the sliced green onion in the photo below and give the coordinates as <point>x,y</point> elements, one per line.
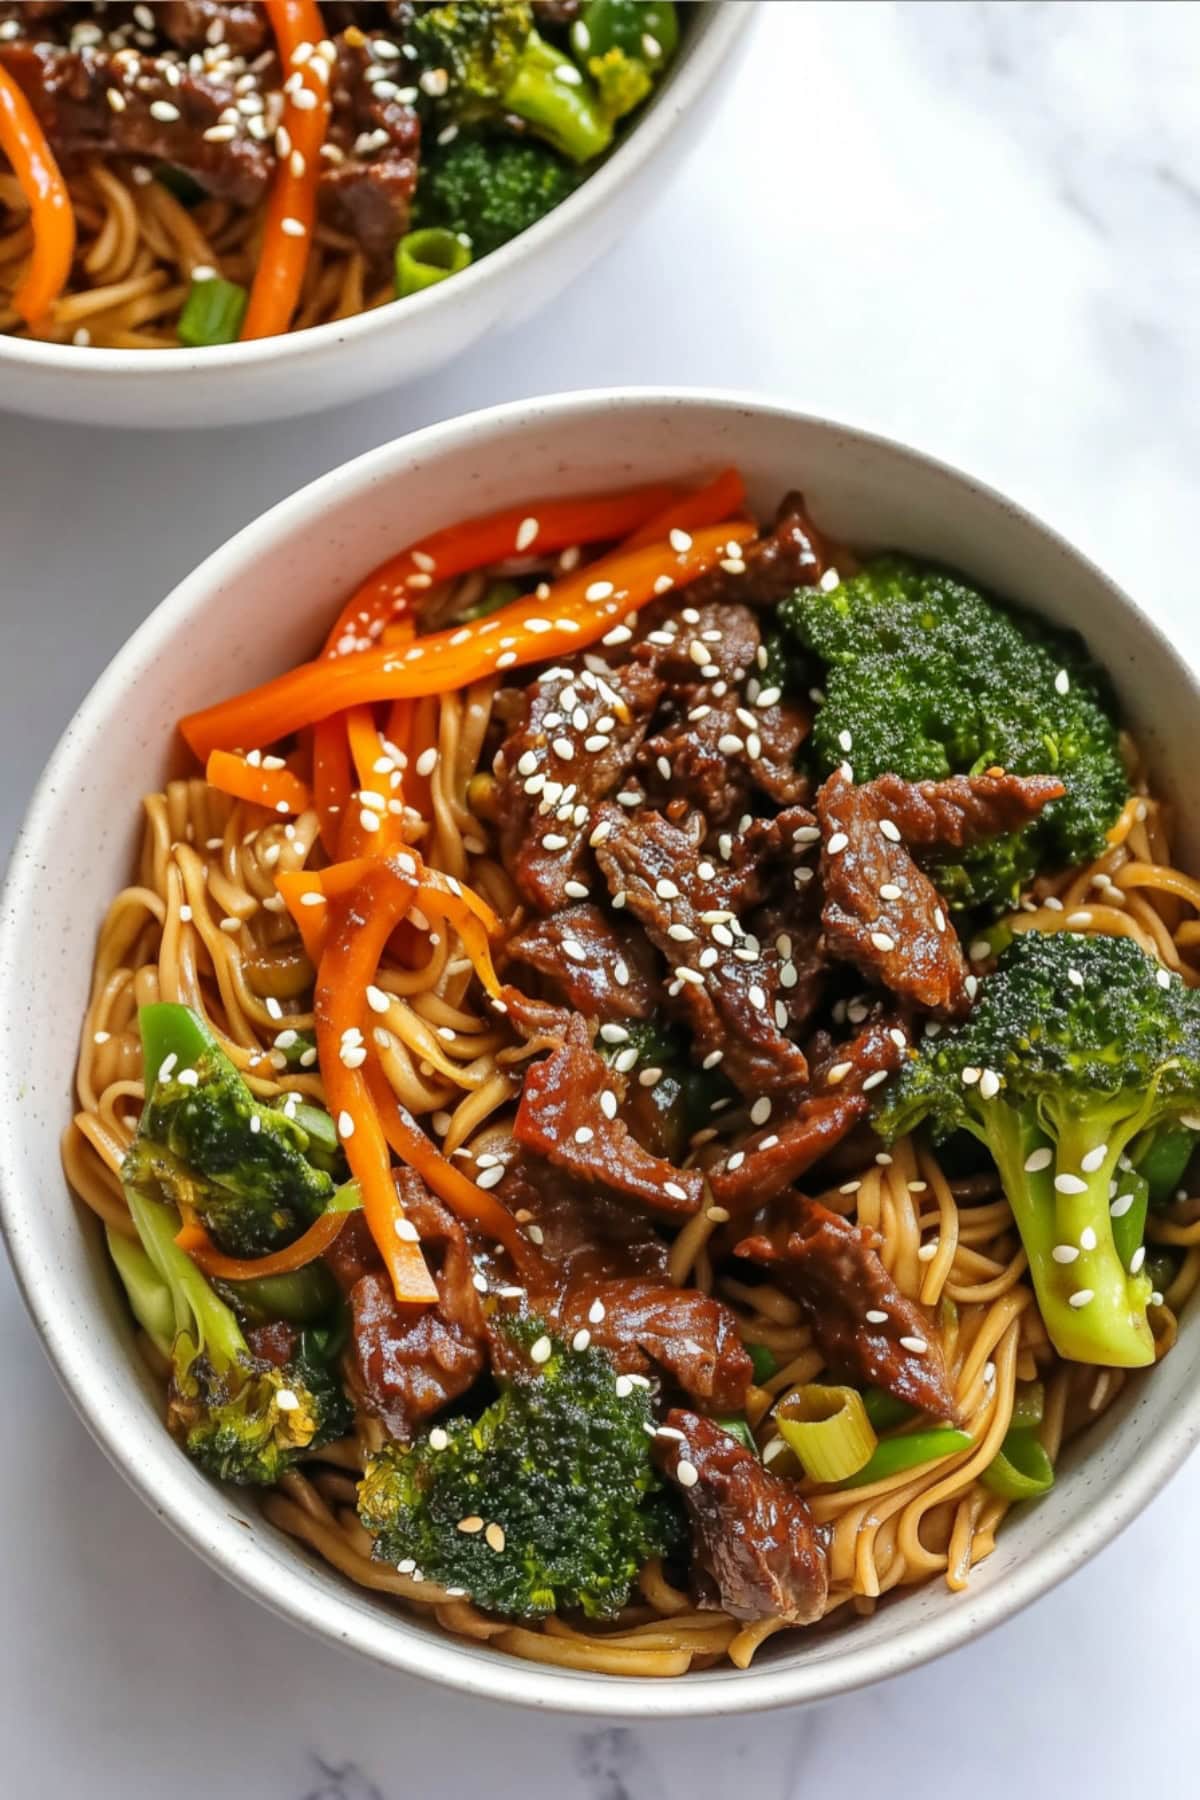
<point>1029,1405</point>
<point>738,1428</point>
<point>827,1428</point>
<point>302,1296</point>
<point>426,257</point>
<point>885,1411</point>
<point>764,1361</point>
<point>212,312</point>
<point>894,1455</point>
<point>1020,1469</point>
<point>1128,1212</point>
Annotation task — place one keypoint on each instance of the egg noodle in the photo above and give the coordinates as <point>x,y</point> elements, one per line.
<point>201,924</point>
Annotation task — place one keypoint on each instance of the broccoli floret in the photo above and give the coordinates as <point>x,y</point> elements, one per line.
<point>560,1463</point>
<point>483,64</point>
<point>242,1419</point>
<point>926,677</point>
<point>248,1170</point>
<point>625,45</point>
<point>1079,1052</point>
<point>490,190</point>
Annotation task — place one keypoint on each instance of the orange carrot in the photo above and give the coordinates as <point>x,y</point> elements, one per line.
<point>53,217</point>
<point>314,1242</point>
<point>332,778</point>
<point>580,609</point>
<point>723,497</point>
<point>292,204</point>
<point>277,789</point>
<point>362,923</point>
<point>540,527</point>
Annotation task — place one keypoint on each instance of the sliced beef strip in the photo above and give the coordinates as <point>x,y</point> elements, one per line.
<point>792,554</point>
<point>411,1363</point>
<point>586,1235</point>
<point>558,763</point>
<point>771,1159</point>
<point>690,645</point>
<point>244,29</point>
<point>859,1317</point>
<point>598,970</point>
<point>565,1117</point>
<point>719,752</point>
<point>69,92</point>
<point>541,1023</point>
<point>757,1552</point>
<point>690,1336</point>
<point>880,911</point>
<point>726,986</point>
<point>367,191</point>
<point>962,809</point>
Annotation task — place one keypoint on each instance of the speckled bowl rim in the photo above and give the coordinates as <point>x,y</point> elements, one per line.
<point>698,64</point>
<point>211,1529</point>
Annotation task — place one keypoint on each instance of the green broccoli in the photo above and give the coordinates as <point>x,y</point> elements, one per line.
<point>625,45</point>
<point>490,190</point>
<point>242,1419</point>
<point>483,64</point>
<point>256,1176</point>
<point>927,677</point>
<point>547,1502</point>
<point>1079,1054</point>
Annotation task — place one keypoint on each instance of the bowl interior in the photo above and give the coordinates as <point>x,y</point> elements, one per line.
<point>261,603</point>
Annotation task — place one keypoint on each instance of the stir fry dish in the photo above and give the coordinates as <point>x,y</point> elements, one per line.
<point>646,1092</point>
<point>192,172</point>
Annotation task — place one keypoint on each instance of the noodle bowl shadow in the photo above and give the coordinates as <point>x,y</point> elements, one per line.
<point>304,371</point>
<point>220,628</point>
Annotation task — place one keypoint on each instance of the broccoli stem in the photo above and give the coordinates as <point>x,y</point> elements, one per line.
<point>564,113</point>
<point>197,1308</point>
<point>149,1297</point>
<point>1109,1327</point>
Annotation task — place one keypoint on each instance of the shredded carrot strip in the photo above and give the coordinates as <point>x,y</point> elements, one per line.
<point>473,1205</point>
<point>309,916</point>
<point>332,779</point>
<point>364,920</point>
<point>581,608</point>
<point>724,497</point>
<point>314,1242</point>
<point>277,789</point>
<point>292,203</point>
<point>53,217</point>
<point>395,586</point>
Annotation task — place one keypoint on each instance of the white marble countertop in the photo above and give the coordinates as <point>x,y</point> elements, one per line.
<point>975,226</point>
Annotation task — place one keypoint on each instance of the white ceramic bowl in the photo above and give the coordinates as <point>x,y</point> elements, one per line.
<point>274,378</point>
<point>223,627</point>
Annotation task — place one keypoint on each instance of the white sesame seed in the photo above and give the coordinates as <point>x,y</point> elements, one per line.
<point>1065,1253</point>
<point>584,1134</point>
<point>1081,1297</point>
<point>163,110</point>
<point>1062,682</point>
<point>1137,1259</point>
<point>1087,1238</point>
<point>345,1125</point>
<point>760,1112</point>
<point>876,1317</point>
<point>890,830</point>
<point>889,891</point>
<point>598,590</point>
<point>1038,1160</point>
<point>1120,1206</point>
<point>917,1345</point>
<point>970,1076</point>
<point>1094,1159</point>
<point>490,1178</point>
<point>882,942</point>
<point>838,1073</point>
<point>1069,1184</point>
<point>989,1084</point>
<point>407,1231</point>
<point>1076,921</point>
<point>686,1473</point>
<point>873,1081</point>
<point>837,842</point>
<point>676,1192</point>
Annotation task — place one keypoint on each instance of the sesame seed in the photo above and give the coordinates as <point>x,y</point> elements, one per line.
<point>889,891</point>
<point>989,1084</point>
<point>490,1178</point>
<point>163,110</point>
<point>1081,1297</point>
<point>582,1339</point>
<point>873,1081</point>
<point>471,1524</point>
<point>736,1160</point>
<point>1069,1184</point>
<point>1094,1159</point>
<point>1087,1238</point>
<point>439,1439</point>
<point>345,1125</point>
<point>608,1104</point>
<point>584,1135</point>
<point>1076,921</point>
<point>1120,1206</point>
<point>1062,682</point>
<point>917,1345</point>
<point>760,1112</point>
<point>540,1352</point>
<point>883,942</point>
<point>1037,1160</point>
<point>837,842</point>
<point>686,1473</point>
<point>838,1073</point>
<point>876,1317</point>
<point>598,590</point>
<point>1065,1253</point>
<point>1163,979</point>
<point>313,899</point>
<point>757,997</point>
<point>407,1231</point>
<point>928,1251</point>
<point>1137,1259</point>
<point>890,830</point>
<point>494,1538</point>
<point>293,228</point>
<point>676,1192</point>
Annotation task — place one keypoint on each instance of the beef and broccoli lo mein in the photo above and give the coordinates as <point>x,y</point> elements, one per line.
<point>645,1093</point>
<point>191,173</point>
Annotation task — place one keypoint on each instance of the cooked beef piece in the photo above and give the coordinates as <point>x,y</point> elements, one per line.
<point>600,971</point>
<point>691,1337</point>
<point>410,1363</point>
<point>771,1159</point>
<point>963,809</point>
<point>726,984</point>
<point>275,1343</point>
<point>717,753</point>
<point>862,1322</point>
<point>756,1550</point>
<point>793,554</point>
<point>368,192</point>
<point>151,116</point>
<point>568,1114</point>
<point>881,913</point>
<point>586,1235</point>
<point>578,737</point>
<point>539,1022</point>
<point>690,645</point>
<point>244,29</point>
<point>353,1252</point>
